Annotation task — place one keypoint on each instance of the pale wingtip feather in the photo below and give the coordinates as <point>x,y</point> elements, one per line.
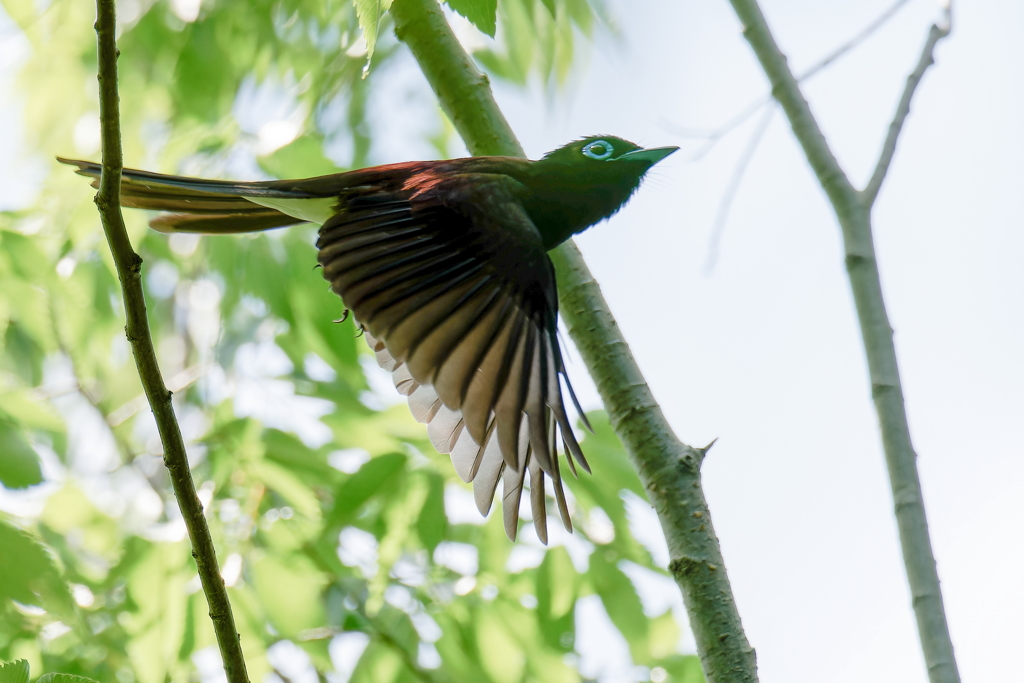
<point>485,482</point>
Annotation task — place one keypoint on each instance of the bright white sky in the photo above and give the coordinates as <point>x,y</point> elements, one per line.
<point>765,354</point>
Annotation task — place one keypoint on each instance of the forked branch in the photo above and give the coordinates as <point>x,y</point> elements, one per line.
<point>853,209</point>
<point>935,34</point>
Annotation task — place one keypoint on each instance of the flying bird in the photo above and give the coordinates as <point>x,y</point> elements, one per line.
<point>444,265</point>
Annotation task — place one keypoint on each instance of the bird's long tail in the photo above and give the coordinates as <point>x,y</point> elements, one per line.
<point>198,205</point>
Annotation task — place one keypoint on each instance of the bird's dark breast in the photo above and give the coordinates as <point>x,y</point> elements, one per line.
<point>559,212</point>
<point>563,200</point>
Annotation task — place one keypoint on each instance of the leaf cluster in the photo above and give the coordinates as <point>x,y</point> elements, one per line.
<point>340,530</point>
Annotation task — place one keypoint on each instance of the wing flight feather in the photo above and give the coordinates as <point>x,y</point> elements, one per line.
<point>461,312</point>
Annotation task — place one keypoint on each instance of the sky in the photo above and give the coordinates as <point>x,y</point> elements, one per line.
<point>762,352</point>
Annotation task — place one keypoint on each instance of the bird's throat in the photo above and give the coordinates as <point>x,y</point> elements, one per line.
<point>560,212</point>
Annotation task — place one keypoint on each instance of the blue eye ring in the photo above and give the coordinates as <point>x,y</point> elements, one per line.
<point>605,153</point>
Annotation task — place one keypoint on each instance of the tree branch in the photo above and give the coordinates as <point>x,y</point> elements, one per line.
<point>669,469</point>
<point>935,34</point>
<point>853,209</point>
<point>129,272</point>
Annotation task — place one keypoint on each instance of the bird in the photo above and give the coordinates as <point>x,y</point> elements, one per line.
<point>444,267</point>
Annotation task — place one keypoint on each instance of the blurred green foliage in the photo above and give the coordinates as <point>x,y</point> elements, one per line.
<point>337,524</point>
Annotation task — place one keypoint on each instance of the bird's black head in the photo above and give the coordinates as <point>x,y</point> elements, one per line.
<point>584,182</point>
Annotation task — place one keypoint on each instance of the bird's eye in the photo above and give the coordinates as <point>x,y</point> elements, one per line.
<point>599,150</point>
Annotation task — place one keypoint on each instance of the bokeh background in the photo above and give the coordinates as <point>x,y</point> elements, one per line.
<point>744,328</point>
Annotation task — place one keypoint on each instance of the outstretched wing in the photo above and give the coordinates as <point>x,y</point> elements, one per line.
<point>450,280</point>
<point>449,277</point>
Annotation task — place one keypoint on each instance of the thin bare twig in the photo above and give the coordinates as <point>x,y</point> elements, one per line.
<point>935,34</point>
<point>714,136</point>
<point>176,383</point>
<point>129,272</point>
<point>718,228</point>
<point>866,33</point>
<point>730,190</point>
<point>853,209</point>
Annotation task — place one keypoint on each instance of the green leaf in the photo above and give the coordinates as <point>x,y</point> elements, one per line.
<point>664,635</point>
<point>620,601</point>
<point>31,311</point>
<point>19,463</point>
<point>63,678</point>
<point>604,446</point>
<point>288,486</point>
<point>582,14</point>
<point>289,588</point>
<point>432,520</point>
<point>303,157</point>
<point>23,356</point>
<point>203,84</point>
<point>27,260</point>
<point>397,627</point>
<point>361,486</point>
<point>14,672</point>
<point>502,657</point>
<point>285,449</point>
<point>614,474</point>
<point>557,588</point>
<point>458,649</point>
<point>188,637</point>
<point>29,410</point>
<point>30,573</point>
<point>683,668</point>
<point>544,37</point>
<point>547,666</point>
<point>370,13</point>
<point>482,13</point>
<point>381,663</point>
<point>156,626</point>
